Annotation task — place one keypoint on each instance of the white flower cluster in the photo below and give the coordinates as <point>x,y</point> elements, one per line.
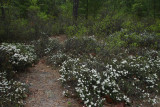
<point>11,92</point>
<point>19,53</point>
<point>91,84</point>
<point>58,58</point>
<point>122,80</point>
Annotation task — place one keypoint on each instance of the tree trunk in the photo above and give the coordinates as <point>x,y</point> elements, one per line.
<point>75,9</point>
<point>154,6</point>
<point>2,10</point>
<point>87,10</point>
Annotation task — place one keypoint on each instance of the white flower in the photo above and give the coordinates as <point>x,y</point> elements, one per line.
<point>124,62</point>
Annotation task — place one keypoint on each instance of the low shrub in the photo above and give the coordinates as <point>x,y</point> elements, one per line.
<point>123,79</point>
<point>71,30</point>
<point>125,39</point>
<point>134,26</point>
<point>16,56</point>
<point>12,93</point>
<point>53,46</point>
<point>155,27</point>
<point>107,26</point>
<point>40,45</point>
<point>46,46</point>
<point>78,31</point>
<point>57,59</point>
<point>81,45</point>
<point>150,40</point>
<point>114,42</point>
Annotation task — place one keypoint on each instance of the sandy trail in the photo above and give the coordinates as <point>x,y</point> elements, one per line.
<point>45,89</point>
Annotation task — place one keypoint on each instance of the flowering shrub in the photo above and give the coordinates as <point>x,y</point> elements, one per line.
<point>123,80</point>
<point>12,92</point>
<point>140,79</point>
<point>17,56</point>
<point>58,58</point>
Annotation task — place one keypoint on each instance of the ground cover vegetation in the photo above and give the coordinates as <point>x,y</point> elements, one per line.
<point>112,51</point>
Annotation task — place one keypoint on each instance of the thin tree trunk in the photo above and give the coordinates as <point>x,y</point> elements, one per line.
<point>154,6</point>
<point>2,10</point>
<point>75,9</point>
<point>87,10</point>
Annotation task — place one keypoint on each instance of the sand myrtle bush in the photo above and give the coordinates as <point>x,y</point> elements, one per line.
<point>141,79</point>
<point>91,85</point>
<point>123,79</point>
<point>58,58</point>
<point>17,56</point>
<point>12,93</point>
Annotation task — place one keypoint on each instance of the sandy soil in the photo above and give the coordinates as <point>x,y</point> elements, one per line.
<point>45,90</point>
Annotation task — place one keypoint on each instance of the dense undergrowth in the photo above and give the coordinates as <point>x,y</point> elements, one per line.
<point>123,67</point>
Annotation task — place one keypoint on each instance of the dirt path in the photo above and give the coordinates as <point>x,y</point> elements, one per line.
<point>45,89</point>
<point>61,38</point>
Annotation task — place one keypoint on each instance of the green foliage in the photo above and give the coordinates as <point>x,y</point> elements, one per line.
<point>137,9</point>
<point>81,45</point>
<point>33,2</point>
<point>46,46</point>
<point>40,22</point>
<point>66,10</point>
<point>76,31</point>
<point>21,29</point>
<point>134,26</point>
<point>82,31</point>
<point>107,26</point>
<point>114,42</point>
<point>70,30</point>
<point>155,27</point>
<point>100,18</point>
<point>56,29</point>
<point>125,39</point>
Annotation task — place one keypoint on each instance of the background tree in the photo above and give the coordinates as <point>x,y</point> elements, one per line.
<point>75,9</point>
